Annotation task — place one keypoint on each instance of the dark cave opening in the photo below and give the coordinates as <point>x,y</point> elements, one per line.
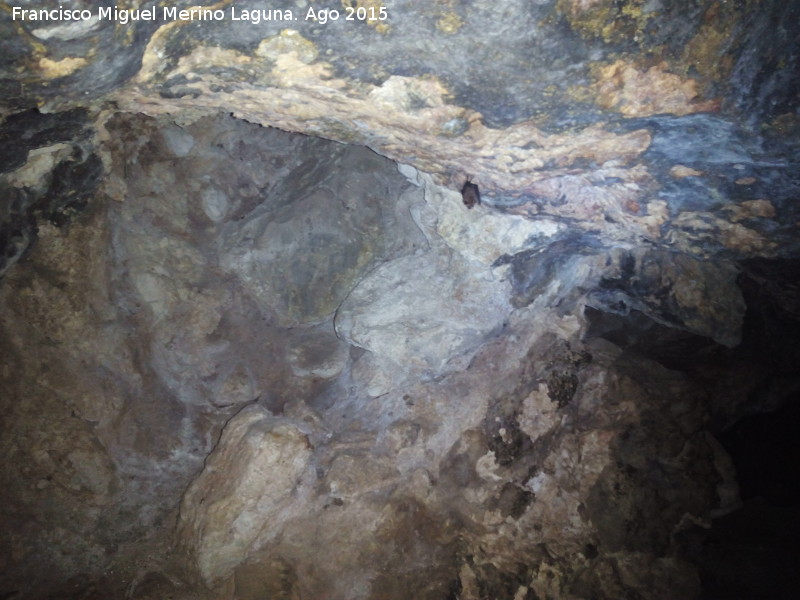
<point>752,552</point>
<point>765,449</point>
<point>754,412</point>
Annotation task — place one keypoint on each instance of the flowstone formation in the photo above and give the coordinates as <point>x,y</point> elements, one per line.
<point>254,345</point>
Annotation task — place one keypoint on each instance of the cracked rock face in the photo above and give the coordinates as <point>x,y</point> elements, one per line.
<point>254,345</point>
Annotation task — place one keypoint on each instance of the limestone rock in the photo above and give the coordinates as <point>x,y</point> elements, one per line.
<point>395,312</point>
<point>247,483</point>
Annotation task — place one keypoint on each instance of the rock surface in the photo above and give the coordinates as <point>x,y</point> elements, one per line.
<point>254,345</point>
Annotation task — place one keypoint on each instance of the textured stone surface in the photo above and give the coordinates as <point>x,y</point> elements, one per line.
<point>238,362</point>
<point>246,487</point>
<point>392,312</point>
<point>48,172</point>
<point>638,120</point>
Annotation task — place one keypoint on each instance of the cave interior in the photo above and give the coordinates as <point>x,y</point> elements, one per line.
<point>275,346</point>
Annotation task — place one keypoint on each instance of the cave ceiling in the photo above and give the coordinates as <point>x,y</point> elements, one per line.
<point>672,125</point>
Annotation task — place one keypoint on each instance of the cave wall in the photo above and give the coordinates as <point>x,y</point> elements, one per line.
<point>254,345</point>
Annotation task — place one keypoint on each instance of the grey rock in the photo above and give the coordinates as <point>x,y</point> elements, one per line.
<point>407,311</point>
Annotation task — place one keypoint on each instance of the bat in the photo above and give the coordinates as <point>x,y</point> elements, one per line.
<point>470,194</point>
